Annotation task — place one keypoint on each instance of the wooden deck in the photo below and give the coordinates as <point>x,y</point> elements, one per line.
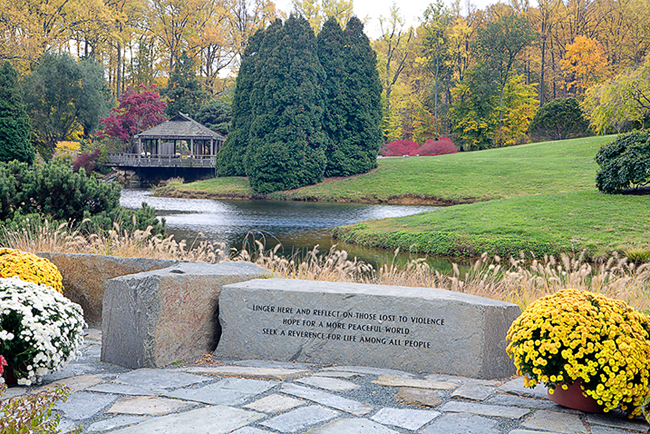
<point>137,160</point>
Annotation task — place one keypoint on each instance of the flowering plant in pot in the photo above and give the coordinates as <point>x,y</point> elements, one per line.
<point>586,338</point>
<point>40,329</point>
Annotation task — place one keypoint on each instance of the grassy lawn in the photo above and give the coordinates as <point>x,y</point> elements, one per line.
<point>542,224</point>
<point>538,198</point>
<point>549,167</point>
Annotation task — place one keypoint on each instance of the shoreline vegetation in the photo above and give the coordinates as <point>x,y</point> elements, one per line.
<point>539,199</point>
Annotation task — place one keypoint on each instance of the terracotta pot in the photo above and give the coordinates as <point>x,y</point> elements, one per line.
<point>575,399</point>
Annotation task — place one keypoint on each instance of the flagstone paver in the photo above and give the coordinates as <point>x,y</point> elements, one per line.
<point>419,397</point>
<point>618,422</point>
<point>229,391</point>
<point>328,399</point>
<point>386,380</point>
<point>123,389</point>
<point>555,421</point>
<point>250,372</point>
<point>300,418</point>
<point>516,387</point>
<point>462,424</point>
<point>82,405</point>
<point>274,404</point>
<point>338,374</point>
<point>148,405</point>
<point>518,401</point>
<point>251,430</point>
<point>372,371</point>
<point>331,384</point>
<point>474,392</point>
<point>352,426</point>
<point>484,409</point>
<point>217,419</point>
<point>75,384</point>
<point>608,430</point>
<point>114,422</point>
<point>160,378</point>
<point>405,418</point>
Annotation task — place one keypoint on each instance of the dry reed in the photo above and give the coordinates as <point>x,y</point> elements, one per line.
<point>516,280</point>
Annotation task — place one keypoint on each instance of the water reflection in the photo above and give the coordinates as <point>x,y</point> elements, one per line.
<point>298,226</point>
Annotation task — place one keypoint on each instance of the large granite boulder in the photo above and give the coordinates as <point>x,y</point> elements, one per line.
<point>163,316</point>
<point>85,277</point>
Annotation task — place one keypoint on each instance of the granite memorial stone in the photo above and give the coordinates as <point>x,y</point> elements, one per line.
<point>411,329</point>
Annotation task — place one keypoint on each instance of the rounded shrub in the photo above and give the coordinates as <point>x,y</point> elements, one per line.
<point>30,268</point>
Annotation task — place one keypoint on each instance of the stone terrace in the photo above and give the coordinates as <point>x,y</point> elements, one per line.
<point>257,397</point>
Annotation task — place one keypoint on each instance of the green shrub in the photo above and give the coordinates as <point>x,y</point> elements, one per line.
<point>624,163</point>
<point>32,413</point>
<point>558,119</point>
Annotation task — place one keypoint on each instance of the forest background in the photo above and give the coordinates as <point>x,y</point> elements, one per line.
<point>477,75</point>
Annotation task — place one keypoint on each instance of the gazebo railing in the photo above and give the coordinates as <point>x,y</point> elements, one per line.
<point>145,160</point>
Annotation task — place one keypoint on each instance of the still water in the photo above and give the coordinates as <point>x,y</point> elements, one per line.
<point>297,226</point>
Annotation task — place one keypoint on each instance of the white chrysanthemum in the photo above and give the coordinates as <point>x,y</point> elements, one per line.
<point>47,321</point>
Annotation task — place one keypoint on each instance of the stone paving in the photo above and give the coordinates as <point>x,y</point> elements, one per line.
<point>258,397</point>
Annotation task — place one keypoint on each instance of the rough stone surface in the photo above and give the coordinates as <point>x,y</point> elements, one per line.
<point>474,392</point>
<point>385,380</point>
<point>556,421</point>
<point>217,419</point>
<point>300,418</point>
<point>413,329</point>
<point>518,401</point>
<point>328,399</point>
<point>516,387</point>
<point>251,372</point>
<point>159,379</point>
<point>331,384</point>
<point>371,371</point>
<point>83,405</point>
<point>114,422</point>
<point>462,424</point>
<point>250,430</point>
<point>274,404</point>
<point>148,405</point>
<point>159,317</point>
<point>85,277</point>
<point>230,391</point>
<point>405,418</point>
<point>352,426</point>
<point>421,397</point>
<point>75,384</point>
<point>485,410</point>
<point>527,431</point>
<point>612,421</point>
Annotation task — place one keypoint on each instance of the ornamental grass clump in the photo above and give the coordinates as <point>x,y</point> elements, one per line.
<point>40,329</point>
<point>582,336</point>
<point>30,268</point>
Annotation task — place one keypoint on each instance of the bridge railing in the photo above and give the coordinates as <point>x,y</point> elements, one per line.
<point>144,160</point>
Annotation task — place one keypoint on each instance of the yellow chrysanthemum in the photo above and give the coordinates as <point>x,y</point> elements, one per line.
<point>30,268</point>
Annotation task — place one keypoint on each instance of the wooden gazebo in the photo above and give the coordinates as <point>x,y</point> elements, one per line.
<point>178,142</point>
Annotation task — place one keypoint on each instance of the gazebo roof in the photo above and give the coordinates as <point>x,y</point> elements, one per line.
<point>180,127</point>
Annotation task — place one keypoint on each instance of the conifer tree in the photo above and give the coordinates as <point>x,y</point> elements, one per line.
<point>286,146</point>
<point>15,140</point>
<point>184,92</point>
<point>230,159</point>
<point>353,99</point>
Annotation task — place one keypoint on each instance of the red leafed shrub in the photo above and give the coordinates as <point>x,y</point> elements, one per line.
<point>399,148</point>
<point>443,145</point>
<point>87,160</point>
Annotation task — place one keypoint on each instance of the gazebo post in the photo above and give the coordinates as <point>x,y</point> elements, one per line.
<point>139,146</point>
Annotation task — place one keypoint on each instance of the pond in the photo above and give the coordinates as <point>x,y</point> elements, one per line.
<point>297,226</point>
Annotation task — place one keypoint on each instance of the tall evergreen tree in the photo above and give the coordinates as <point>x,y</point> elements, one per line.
<point>286,147</point>
<point>230,159</point>
<point>184,92</point>
<point>15,143</point>
<point>353,98</point>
